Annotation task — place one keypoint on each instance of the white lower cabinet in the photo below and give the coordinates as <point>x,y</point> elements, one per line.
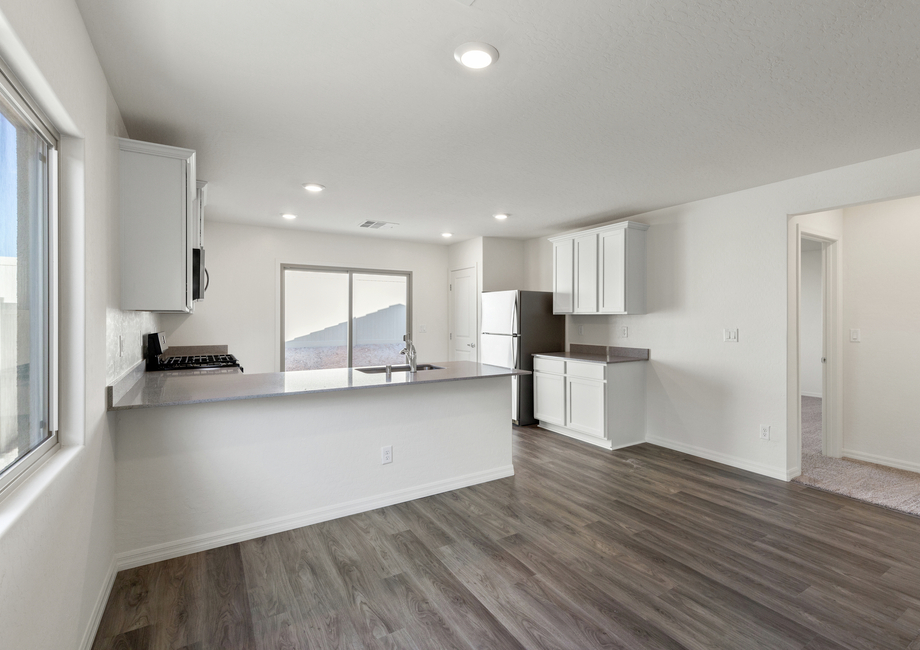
<point>549,398</point>
<point>603,404</point>
<point>586,405</point>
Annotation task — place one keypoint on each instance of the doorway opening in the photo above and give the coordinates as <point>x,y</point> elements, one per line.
<point>857,412</point>
<point>812,356</point>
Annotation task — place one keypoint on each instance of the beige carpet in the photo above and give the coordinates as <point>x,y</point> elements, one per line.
<point>892,488</point>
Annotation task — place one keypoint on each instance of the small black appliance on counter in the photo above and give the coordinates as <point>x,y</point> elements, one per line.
<point>157,360</point>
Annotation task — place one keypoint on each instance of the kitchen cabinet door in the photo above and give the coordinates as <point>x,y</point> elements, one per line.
<point>549,398</point>
<point>586,274</point>
<point>586,406</point>
<point>563,276</point>
<point>156,205</point>
<point>612,273</point>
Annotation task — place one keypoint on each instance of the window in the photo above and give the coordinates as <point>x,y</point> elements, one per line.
<point>28,156</point>
<point>341,318</point>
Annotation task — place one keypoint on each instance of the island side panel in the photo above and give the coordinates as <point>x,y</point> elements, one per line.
<point>200,476</point>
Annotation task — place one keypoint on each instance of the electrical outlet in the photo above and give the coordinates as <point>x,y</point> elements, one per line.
<point>624,332</point>
<point>386,454</point>
<point>764,431</point>
<point>730,336</point>
<point>581,330</point>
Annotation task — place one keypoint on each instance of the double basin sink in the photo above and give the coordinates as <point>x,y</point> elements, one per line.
<point>373,370</point>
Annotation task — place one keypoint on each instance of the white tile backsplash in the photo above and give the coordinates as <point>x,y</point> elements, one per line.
<point>133,326</point>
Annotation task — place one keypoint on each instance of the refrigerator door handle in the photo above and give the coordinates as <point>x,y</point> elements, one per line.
<point>514,314</point>
<point>514,354</point>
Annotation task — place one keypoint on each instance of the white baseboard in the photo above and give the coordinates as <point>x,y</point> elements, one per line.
<point>178,548</point>
<point>881,460</point>
<point>804,394</point>
<point>99,608</point>
<point>725,459</point>
<point>584,437</point>
<point>792,473</point>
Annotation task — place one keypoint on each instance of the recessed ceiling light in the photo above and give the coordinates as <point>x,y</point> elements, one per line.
<point>289,216</point>
<point>447,234</point>
<point>313,187</point>
<point>501,217</point>
<point>476,55</point>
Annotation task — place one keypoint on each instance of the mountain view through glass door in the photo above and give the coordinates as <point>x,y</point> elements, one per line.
<point>317,313</point>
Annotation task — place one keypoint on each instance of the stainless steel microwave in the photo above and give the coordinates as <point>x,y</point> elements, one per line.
<point>200,277</point>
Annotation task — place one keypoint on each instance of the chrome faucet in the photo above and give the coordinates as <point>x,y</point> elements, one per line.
<point>409,351</point>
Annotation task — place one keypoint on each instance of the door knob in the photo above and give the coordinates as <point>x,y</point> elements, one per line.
<point>472,345</point>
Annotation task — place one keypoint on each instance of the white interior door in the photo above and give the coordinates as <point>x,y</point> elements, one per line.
<point>463,314</point>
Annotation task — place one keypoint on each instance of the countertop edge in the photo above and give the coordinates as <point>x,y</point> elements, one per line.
<point>587,358</point>
<point>236,398</point>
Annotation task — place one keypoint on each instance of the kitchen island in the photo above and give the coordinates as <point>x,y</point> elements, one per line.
<point>207,460</point>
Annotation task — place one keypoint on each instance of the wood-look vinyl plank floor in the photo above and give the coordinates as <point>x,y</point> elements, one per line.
<point>641,548</point>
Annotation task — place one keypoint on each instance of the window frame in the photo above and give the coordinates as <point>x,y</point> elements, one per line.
<point>351,271</point>
<point>29,110</point>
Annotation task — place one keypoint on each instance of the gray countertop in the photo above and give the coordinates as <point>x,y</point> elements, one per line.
<point>175,388</point>
<point>582,356</point>
<point>599,354</point>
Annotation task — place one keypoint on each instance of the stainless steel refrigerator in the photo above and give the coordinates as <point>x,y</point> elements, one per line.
<point>515,326</point>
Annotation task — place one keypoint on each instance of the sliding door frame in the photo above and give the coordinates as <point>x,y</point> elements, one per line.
<point>351,272</point>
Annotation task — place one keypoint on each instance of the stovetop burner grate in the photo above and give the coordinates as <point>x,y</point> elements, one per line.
<point>199,361</point>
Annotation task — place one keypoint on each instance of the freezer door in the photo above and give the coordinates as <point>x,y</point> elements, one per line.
<point>500,350</point>
<point>500,312</point>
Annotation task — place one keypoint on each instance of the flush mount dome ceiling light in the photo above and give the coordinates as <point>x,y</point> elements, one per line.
<point>476,55</point>
<point>501,217</point>
<point>447,234</point>
<point>289,216</point>
<point>314,187</point>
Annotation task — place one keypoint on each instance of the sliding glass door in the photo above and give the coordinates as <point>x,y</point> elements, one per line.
<point>338,318</point>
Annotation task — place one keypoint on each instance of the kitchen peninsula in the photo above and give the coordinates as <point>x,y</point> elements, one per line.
<point>207,460</point>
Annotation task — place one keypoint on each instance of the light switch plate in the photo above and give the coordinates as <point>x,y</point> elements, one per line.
<point>730,336</point>
<point>855,336</point>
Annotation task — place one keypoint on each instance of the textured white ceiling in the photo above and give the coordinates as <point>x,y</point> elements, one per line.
<point>596,109</point>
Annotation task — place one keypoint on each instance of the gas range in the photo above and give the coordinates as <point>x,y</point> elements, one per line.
<point>158,360</point>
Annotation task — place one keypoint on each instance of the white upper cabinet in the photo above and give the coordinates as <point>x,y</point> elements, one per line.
<point>609,269</point>
<point>159,226</point>
<point>563,276</point>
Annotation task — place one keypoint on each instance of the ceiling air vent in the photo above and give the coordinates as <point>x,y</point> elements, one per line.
<point>377,225</point>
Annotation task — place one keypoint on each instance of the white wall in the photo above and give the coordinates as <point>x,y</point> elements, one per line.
<point>881,289</point>
<point>729,262</point>
<point>466,254</point>
<point>502,264</point>
<point>242,305</point>
<point>811,327</point>
<point>538,264</point>
<point>57,528</point>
